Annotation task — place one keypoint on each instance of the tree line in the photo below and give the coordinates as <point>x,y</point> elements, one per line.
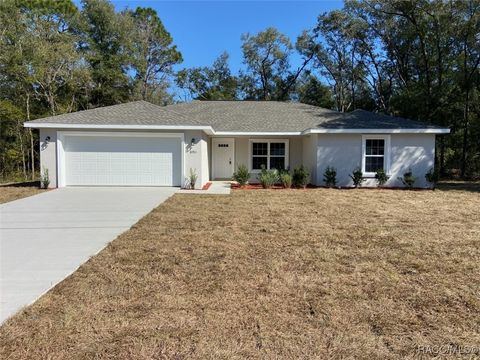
<point>415,59</point>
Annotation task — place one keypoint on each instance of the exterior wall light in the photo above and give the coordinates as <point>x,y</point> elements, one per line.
<point>45,143</point>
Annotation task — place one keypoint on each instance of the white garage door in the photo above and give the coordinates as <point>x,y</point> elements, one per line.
<point>122,160</point>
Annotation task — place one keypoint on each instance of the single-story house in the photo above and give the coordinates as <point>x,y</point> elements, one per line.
<point>142,144</point>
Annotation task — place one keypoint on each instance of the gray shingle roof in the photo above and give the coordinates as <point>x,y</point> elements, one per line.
<point>132,113</point>
<point>238,116</point>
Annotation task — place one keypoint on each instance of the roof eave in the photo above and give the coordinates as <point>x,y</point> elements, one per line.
<point>377,131</point>
<point>38,125</point>
<point>210,131</point>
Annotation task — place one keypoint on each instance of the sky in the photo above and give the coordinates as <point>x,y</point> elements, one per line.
<point>202,30</point>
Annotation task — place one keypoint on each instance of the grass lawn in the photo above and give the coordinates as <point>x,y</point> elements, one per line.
<point>18,191</point>
<point>271,274</point>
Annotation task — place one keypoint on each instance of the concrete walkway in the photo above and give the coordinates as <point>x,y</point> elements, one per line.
<point>46,237</point>
<point>217,188</point>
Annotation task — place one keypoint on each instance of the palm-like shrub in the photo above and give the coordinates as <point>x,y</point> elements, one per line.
<point>381,177</point>
<point>242,175</point>
<point>408,179</point>
<point>300,177</point>
<point>45,179</point>
<point>330,176</point>
<point>432,176</point>
<point>267,178</point>
<point>357,177</point>
<point>285,179</point>
<point>192,179</point>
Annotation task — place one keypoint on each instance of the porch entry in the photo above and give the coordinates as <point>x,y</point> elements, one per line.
<point>223,152</point>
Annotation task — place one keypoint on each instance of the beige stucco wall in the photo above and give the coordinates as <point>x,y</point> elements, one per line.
<point>295,156</point>
<point>309,158</point>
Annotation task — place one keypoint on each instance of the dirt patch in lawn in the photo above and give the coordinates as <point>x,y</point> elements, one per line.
<point>17,191</point>
<point>271,274</point>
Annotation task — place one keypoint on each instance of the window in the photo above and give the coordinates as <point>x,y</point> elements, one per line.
<point>272,154</point>
<point>375,154</point>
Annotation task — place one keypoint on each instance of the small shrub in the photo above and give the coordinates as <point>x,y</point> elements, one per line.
<point>45,179</point>
<point>330,176</point>
<point>300,177</point>
<point>432,176</point>
<point>357,177</point>
<point>192,179</point>
<point>242,175</point>
<point>408,179</point>
<point>381,177</point>
<point>267,178</point>
<point>285,179</point>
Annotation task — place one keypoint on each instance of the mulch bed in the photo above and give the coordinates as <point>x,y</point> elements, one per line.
<point>206,186</point>
<point>235,186</point>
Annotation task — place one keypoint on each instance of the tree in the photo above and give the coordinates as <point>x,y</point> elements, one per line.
<point>210,83</point>
<point>313,92</point>
<point>153,55</point>
<point>51,60</point>
<point>12,140</point>
<point>337,56</point>
<point>467,30</point>
<point>266,57</point>
<point>106,43</point>
<point>39,59</point>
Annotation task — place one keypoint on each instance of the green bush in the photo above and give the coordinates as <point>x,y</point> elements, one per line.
<point>432,176</point>
<point>242,175</point>
<point>192,179</point>
<point>381,177</point>
<point>357,177</point>
<point>408,179</point>
<point>300,177</point>
<point>45,179</point>
<point>285,179</point>
<point>330,176</point>
<point>267,178</point>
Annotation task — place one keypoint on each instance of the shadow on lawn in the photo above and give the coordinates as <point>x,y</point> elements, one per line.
<point>22,184</point>
<point>471,186</point>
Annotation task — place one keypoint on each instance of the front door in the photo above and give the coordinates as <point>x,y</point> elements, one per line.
<point>223,152</point>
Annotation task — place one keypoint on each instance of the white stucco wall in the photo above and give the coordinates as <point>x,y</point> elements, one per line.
<point>342,151</point>
<point>415,152</point>
<point>316,152</point>
<point>407,151</point>
<point>48,154</point>
<point>196,156</point>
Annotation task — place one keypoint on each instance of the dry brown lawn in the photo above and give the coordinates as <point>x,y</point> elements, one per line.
<point>271,274</point>
<point>12,192</point>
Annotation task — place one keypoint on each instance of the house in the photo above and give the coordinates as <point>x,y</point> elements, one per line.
<point>141,144</point>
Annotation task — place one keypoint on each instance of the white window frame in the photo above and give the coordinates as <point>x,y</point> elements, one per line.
<point>386,153</point>
<point>268,141</point>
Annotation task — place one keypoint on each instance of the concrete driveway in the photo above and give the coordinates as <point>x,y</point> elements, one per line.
<point>46,237</point>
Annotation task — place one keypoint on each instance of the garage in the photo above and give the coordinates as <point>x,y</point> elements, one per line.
<point>120,159</point>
